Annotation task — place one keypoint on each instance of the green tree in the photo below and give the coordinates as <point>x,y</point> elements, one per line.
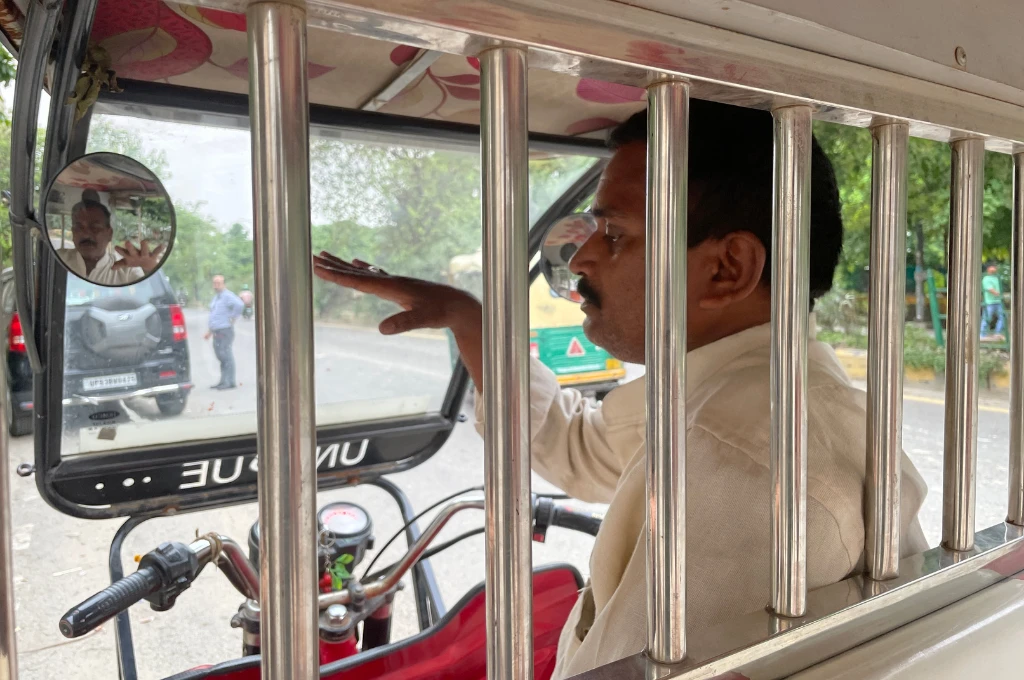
<point>928,166</point>
<point>105,135</point>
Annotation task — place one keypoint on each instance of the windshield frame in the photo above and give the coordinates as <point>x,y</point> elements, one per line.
<point>94,486</point>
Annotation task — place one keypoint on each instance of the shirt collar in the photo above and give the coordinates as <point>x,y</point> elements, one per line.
<point>706,361</point>
<point>76,263</point>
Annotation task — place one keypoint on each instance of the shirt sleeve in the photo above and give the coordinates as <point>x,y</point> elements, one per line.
<point>573,446</point>
<point>236,305</point>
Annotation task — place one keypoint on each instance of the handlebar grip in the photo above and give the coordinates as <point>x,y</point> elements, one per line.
<point>110,601</point>
<point>577,520</point>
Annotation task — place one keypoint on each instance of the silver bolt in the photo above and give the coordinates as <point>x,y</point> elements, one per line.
<point>961,56</point>
<point>336,614</point>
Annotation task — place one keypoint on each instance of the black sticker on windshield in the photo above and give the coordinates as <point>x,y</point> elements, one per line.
<point>104,415</point>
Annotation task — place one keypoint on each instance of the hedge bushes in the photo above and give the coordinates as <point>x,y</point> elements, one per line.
<point>920,352</point>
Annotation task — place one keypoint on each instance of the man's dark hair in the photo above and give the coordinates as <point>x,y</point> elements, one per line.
<point>88,204</point>
<point>731,168</point>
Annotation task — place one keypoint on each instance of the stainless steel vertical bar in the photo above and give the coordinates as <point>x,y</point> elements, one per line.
<point>74,41</point>
<point>506,388</point>
<point>668,117</point>
<point>40,24</point>
<point>885,347</point>
<point>1015,514</point>
<point>8,638</point>
<point>791,224</point>
<point>279,116</point>
<point>962,328</point>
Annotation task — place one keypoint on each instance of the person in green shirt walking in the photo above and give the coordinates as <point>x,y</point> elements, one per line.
<point>993,293</point>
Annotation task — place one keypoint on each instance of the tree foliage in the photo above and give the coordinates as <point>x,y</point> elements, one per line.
<point>927,200</point>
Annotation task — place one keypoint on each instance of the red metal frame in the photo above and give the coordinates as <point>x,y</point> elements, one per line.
<point>455,648</point>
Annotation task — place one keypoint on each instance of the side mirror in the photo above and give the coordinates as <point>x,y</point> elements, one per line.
<point>563,239</point>
<point>109,219</point>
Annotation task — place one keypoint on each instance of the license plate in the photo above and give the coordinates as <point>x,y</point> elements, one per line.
<point>108,382</point>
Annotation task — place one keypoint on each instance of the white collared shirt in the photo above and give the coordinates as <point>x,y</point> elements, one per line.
<point>595,452</point>
<point>103,273</point>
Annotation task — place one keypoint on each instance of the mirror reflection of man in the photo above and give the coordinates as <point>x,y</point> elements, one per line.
<point>596,452</point>
<point>91,259</point>
<point>224,311</point>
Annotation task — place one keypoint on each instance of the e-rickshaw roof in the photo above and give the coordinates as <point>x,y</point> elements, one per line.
<point>947,75</point>
<point>943,67</point>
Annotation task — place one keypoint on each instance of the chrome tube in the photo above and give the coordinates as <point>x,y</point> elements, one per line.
<point>960,458</point>
<point>668,119</point>
<point>40,24</point>
<point>279,116</point>
<point>419,546</point>
<point>885,347</point>
<point>506,388</point>
<point>235,564</point>
<point>8,638</point>
<point>60,125</point>
<point>791,224</point>
<point>1015,514</point>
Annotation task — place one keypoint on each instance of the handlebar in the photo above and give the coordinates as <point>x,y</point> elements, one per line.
<point>163,574</point>
<point>547,514</point>
<point>166,572</point>
<point>105,604</point>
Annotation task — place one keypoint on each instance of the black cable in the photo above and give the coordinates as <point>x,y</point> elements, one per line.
<point>406,525</point>
<point>567,519</point>
<point>427,554</point>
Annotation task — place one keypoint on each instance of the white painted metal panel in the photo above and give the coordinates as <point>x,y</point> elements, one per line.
<point>979,634</point>
<point>912,37</point>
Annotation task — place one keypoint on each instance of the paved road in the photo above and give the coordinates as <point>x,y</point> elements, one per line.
<point>356,369</point>
<point>60,560</point>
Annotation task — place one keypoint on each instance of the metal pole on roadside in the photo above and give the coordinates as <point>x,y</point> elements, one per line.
<point>668,119</point>
<point>506,389</point>
<point>885,351</point>
<point>8,638</point>
<point>791,226</point>
<point>963,324</point>
<point>279,119</point>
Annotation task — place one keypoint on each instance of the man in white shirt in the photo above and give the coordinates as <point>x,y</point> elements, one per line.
<point>595,451</point>
<point>91,259</point>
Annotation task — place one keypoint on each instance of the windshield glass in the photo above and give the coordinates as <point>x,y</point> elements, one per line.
<point>173,358</point>
<point>80,292</point>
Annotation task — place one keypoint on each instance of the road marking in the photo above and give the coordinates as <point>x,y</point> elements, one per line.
<point>942,402</point>
<point>21,538</point>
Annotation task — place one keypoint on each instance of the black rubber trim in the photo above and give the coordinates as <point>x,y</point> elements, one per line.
<point>157,96</point>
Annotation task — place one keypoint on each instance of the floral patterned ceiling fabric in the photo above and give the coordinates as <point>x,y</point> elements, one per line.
<point>198,47</point>
<point>12,22</point>
<point>88,174</point>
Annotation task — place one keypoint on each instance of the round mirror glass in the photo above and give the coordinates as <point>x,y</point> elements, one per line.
<point>109,219</point>
<point>563,239</point>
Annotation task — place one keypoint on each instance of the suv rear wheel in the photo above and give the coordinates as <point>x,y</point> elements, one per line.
<point>172,404</point>
<point>17,427</point>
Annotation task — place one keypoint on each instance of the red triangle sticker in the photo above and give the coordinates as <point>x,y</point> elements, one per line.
<point>575,349</point>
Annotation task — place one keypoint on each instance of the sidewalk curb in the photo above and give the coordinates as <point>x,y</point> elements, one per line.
<point>855,362</point>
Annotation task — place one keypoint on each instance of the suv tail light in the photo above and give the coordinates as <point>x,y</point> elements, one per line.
<point>15,336</point>
<point>178,324</point>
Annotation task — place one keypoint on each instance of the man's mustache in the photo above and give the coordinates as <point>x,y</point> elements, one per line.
<point>588,293</point>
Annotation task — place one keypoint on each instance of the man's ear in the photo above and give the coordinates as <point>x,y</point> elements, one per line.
<point>735,263</point>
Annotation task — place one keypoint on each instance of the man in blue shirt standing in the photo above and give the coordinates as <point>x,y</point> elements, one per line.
<point>224,311</point>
